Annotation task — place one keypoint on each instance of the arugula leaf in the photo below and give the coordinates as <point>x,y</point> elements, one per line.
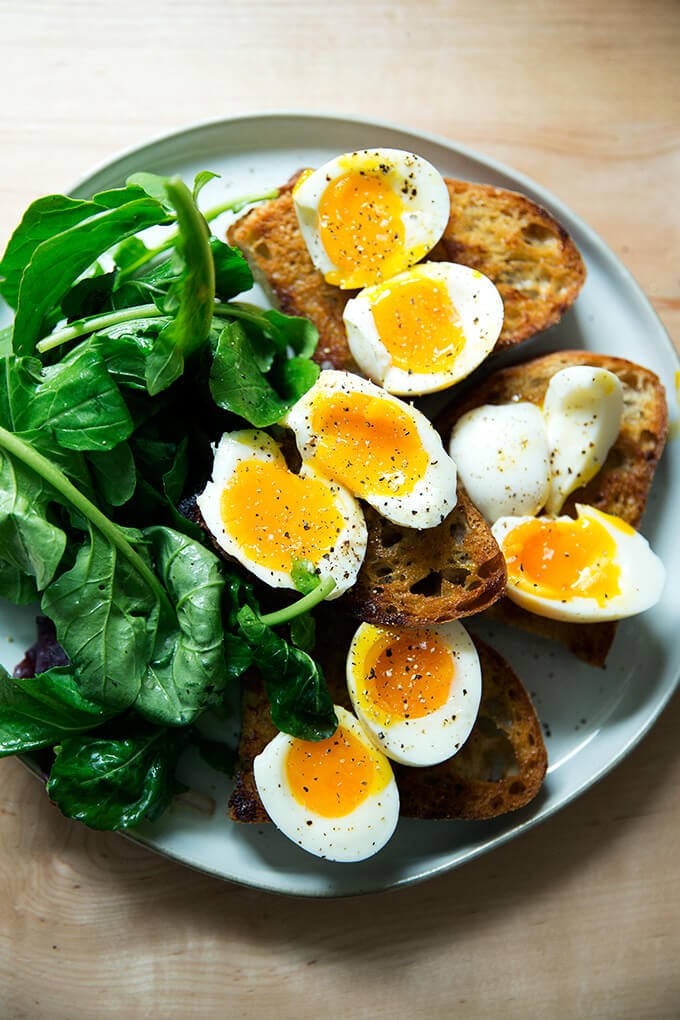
<point>187,671</point>
<point>16,586</point>
<point>39,711</point>
<point>44,218</point>
<point>232,273</point>
<point>76,399</point>
<point>238,384</point>
<point>61,258</point>
<point>112,782</point>
<point>30,542</point>
<point>106,618</point>
<point>298,694</point>
<point>114,474</point>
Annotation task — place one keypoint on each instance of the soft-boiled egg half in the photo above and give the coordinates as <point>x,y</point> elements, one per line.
<point>519,458</point>
<point>416,690</point>
<point>376,446</point>
<point>424,329</point>
<point>336,798</point>
<point>503,458</point>
<point>367,215</point>
<point>267,517</point>
<point>595,567</point>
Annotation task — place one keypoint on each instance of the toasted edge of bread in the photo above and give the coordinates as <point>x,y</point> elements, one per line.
<point>500,767</point>
<point>620,487</point>
<point>512,240</point>
<point>411,578</point>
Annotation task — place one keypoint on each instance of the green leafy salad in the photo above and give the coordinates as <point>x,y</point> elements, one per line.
<point>124,362</point>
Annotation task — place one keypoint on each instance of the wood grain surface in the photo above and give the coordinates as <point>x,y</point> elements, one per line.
<point>579,917</point>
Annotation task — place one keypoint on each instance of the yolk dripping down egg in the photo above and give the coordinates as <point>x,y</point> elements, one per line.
<point>424,329</point>
<point>336,798</point>
<point>416,691</point>
<point>367,215</point>
<point>593,568</point>
<point>379,448</point>
<point>267,517</point>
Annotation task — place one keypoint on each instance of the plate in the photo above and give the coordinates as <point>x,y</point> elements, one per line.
<point>592,718</point>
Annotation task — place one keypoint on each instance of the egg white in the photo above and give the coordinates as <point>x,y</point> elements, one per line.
<point>582,408</point>
<point>431,498</point>
<point>351,837</point>
<point>341,563</point>
<point>503,458</point>
<point>432,738</point>
<point>480,309</point>
<point>641,580</point>
<point>420,188</point>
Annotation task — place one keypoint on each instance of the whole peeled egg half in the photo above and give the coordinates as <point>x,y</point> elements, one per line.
<point>586,569</point>
<point>367,215</point>
<point>503,458</point>
<point>415,690</point>
<point>376,446</point>
<point>335,798</point>
<point>424,329</point>
<point>268,518</point>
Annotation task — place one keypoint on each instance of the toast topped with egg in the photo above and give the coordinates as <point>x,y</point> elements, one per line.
<point>621,485</point>
<point>500,767</point>
<point>517,244</point>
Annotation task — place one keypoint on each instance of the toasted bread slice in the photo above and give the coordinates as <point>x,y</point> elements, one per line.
<point>521,247</point>
<point>620,487</point>
<point>410,578</point>
<point>500,767</point>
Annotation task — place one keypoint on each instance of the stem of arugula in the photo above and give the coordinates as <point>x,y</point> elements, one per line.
<point>95,322</point>
<point>307,602</point>
<point>234,205</point>
<point>58,480</point>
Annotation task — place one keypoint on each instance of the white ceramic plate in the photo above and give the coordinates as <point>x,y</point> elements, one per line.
<point>592,718</point>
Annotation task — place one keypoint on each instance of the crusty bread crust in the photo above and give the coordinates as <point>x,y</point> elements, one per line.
<point>521,247</point>
<point>410,578</point>
<point>621,486</point>
<point>502,764</point>
<point>500,768</point>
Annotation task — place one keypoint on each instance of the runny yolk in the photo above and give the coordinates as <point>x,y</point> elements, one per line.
<point>419,325</point>
<point>277,516</point>
<point>560,559</point>
<point>333,777</point>
<point>368,444</point>
<point>407,674</point>
<point>361,229</point>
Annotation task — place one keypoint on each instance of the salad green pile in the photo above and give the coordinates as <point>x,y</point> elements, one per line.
<point>123,363</point>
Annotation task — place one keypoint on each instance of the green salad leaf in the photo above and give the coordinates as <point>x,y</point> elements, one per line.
<point>116,781</point>
<point>124,363</point>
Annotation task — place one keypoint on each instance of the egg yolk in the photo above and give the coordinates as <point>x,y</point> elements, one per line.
<point>408,674</point>
<point>361,229</point>
<point>278,517</point>
<point>418,325</point>
<point>562,559</point>
<point>333,777</point>
<point>369,445</point>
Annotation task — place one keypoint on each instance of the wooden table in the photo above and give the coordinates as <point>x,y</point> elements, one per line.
<point>581,916</point>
